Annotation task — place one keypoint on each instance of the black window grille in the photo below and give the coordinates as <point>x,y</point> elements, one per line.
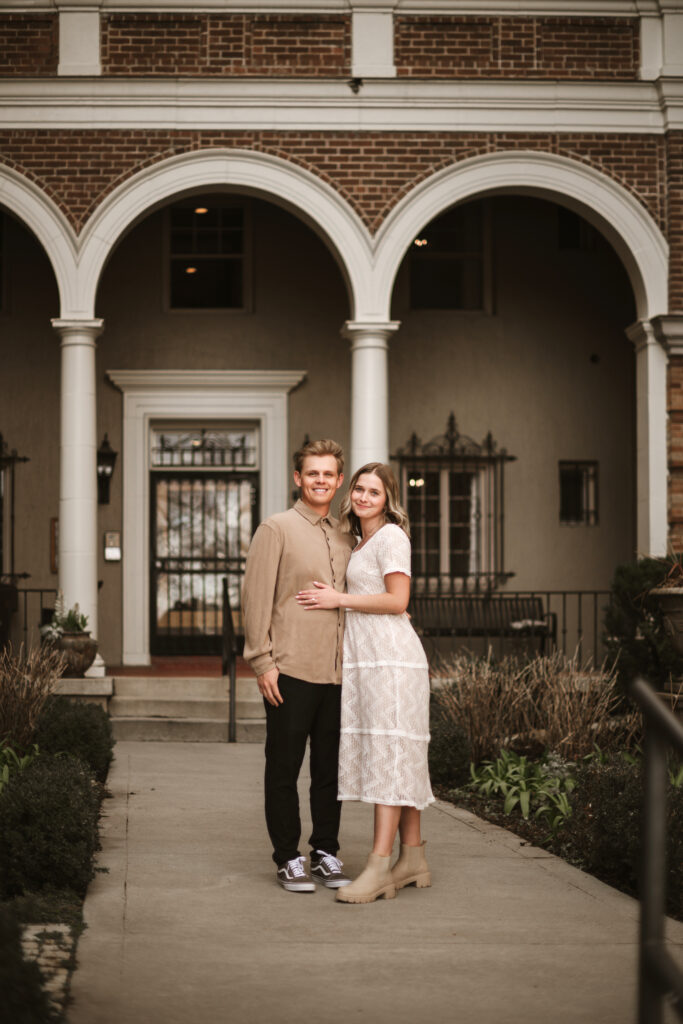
<point>579,493</point>
<point>454,494</point>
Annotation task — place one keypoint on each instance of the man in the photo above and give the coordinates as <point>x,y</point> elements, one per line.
<point>296,658</point>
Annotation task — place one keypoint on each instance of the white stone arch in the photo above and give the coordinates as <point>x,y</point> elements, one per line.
<point>635,237</point>
<point>245,171</point>
<point>42,216</point>
<point>614,211</point>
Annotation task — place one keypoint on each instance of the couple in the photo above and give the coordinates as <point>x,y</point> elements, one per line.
<point>294,601</point>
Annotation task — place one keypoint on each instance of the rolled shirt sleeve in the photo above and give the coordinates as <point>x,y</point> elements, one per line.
<point>258,597</point>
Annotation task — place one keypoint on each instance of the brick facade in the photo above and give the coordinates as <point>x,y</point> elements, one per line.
<point>240,44</point>
<point>490,47</point>
<point>372,170</point>
<point>28,45</point>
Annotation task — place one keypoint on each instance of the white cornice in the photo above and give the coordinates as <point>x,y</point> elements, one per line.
<point>382,105</point>
<point>165,380</point>
<point>549,8</point>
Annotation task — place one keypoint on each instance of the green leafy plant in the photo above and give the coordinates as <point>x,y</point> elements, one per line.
<point>48,827</point>
<point>79,730</point>
<point>635,633</point>
<point>10,761</point>
<point>64,620</point>
<point>538,786</point>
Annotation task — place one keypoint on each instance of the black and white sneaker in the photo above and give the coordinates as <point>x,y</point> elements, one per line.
<point>293,876</point>
<point>327,869</point>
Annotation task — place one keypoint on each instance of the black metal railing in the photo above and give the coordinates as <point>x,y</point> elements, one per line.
<point>35,609</point>
<point>570,621</point>
<point>230,650</point>
<point>659,976</point>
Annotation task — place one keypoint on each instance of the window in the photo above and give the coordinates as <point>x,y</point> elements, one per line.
<point>579,493</point>
<point>449,261</point>
<point>453,494</point>
<point>207,243</point>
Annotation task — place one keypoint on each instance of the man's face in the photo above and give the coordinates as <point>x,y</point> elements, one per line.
<point>319,481</point>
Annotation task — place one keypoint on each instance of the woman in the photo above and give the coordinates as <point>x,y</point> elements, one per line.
<point>385,689</point>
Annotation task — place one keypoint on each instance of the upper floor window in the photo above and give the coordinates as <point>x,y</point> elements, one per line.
<point>453,493</point>
<point>208,249</point>
<point>450,261</point>
<point>579,493</point>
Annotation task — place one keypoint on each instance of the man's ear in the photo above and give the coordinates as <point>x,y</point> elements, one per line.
<point>297,478</point>
<point>340,481</point>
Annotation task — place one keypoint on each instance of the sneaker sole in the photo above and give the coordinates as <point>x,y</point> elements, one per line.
<point>331,883</point>
<point>292,887</point>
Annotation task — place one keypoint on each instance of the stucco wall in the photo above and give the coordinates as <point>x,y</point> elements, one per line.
<point>525,373</point>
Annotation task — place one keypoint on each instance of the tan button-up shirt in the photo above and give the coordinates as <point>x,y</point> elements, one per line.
<point>289,551</point>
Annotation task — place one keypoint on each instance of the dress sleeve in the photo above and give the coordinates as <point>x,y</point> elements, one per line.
<point>393,550</point>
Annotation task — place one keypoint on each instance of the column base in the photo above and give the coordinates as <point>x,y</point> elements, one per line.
<point>97,669</point>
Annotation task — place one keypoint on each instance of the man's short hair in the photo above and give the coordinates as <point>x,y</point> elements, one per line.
<point>323,447</point>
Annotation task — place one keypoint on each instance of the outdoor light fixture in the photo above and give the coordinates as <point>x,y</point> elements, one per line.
<point>106,460</point>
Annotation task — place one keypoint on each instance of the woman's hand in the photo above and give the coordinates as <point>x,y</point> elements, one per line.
<point>323,596</point>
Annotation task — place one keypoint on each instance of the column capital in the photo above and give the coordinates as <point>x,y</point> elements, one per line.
<point>90,327</point>
<point>668,331</point>
<point>642,333</point>
<point>369,333</point>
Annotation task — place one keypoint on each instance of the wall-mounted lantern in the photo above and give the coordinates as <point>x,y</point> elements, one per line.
<point>106,460</point>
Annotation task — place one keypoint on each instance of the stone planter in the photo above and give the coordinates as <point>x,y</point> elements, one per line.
<point>79,650</point>
<point>670,600</point>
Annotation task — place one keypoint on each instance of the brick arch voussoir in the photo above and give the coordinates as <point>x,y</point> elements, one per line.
<point>35,179</point>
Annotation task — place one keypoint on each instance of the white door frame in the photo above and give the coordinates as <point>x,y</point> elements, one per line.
<point>151,395</point>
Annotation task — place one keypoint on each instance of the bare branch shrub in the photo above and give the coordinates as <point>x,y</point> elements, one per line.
<point>26,682</point>
<point>552,700</point>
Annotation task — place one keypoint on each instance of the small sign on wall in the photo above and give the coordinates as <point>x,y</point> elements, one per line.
<point>112,546</point>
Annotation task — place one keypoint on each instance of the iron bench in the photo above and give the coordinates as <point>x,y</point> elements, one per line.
<point>482,615</point>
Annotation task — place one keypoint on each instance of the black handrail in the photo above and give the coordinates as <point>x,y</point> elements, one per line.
<point>659,976</point>
<point>229,661</point>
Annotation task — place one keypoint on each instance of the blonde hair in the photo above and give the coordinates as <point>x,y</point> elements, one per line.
<point>393,510</point>
<point>324,447</point>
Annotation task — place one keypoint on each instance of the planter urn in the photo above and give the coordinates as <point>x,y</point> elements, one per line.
<point>670,600</point>
<point>79,650</point>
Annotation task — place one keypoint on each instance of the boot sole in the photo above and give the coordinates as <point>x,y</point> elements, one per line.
<point>419,881</point>
<point>388,893</point>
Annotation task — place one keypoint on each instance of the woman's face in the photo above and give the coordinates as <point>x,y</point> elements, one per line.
<point>368,498</point>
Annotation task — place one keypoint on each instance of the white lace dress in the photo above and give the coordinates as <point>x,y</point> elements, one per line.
<point>385,688</point>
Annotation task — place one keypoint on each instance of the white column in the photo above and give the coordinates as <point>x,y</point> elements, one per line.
<point>651,440</point>
<point>369,390</point>
<point>78,471</point>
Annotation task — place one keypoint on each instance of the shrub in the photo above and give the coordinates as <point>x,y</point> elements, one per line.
<point>81,730</point>
<point>48,827</point>
<point>603,834</point>
<point>635,633</point>
<point>547,703</point>
<point>450,751</point>
<point>26,682</point>
<point>22,998</point>
<point>10,762</point>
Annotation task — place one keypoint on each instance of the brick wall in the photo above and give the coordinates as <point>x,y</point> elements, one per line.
<point>28,44</point>
<point>372,170</point>
<point>489,47</point>
<point>240,44</point>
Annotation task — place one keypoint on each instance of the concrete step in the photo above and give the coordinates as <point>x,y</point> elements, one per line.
<point>189,707</point>
<point>185,730</point>
<point>170,688</point>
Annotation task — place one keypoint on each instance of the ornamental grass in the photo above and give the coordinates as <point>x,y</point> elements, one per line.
<point>550,702</point>
<point>26,682</point>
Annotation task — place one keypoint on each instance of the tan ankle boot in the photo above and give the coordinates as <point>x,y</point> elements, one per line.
<point>411,868</point>
<point>374,881</point>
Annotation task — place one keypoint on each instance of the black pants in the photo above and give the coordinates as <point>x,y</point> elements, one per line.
<point>309,709</point>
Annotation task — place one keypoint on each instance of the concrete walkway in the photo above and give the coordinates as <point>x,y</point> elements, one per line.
<point>188,924</point>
